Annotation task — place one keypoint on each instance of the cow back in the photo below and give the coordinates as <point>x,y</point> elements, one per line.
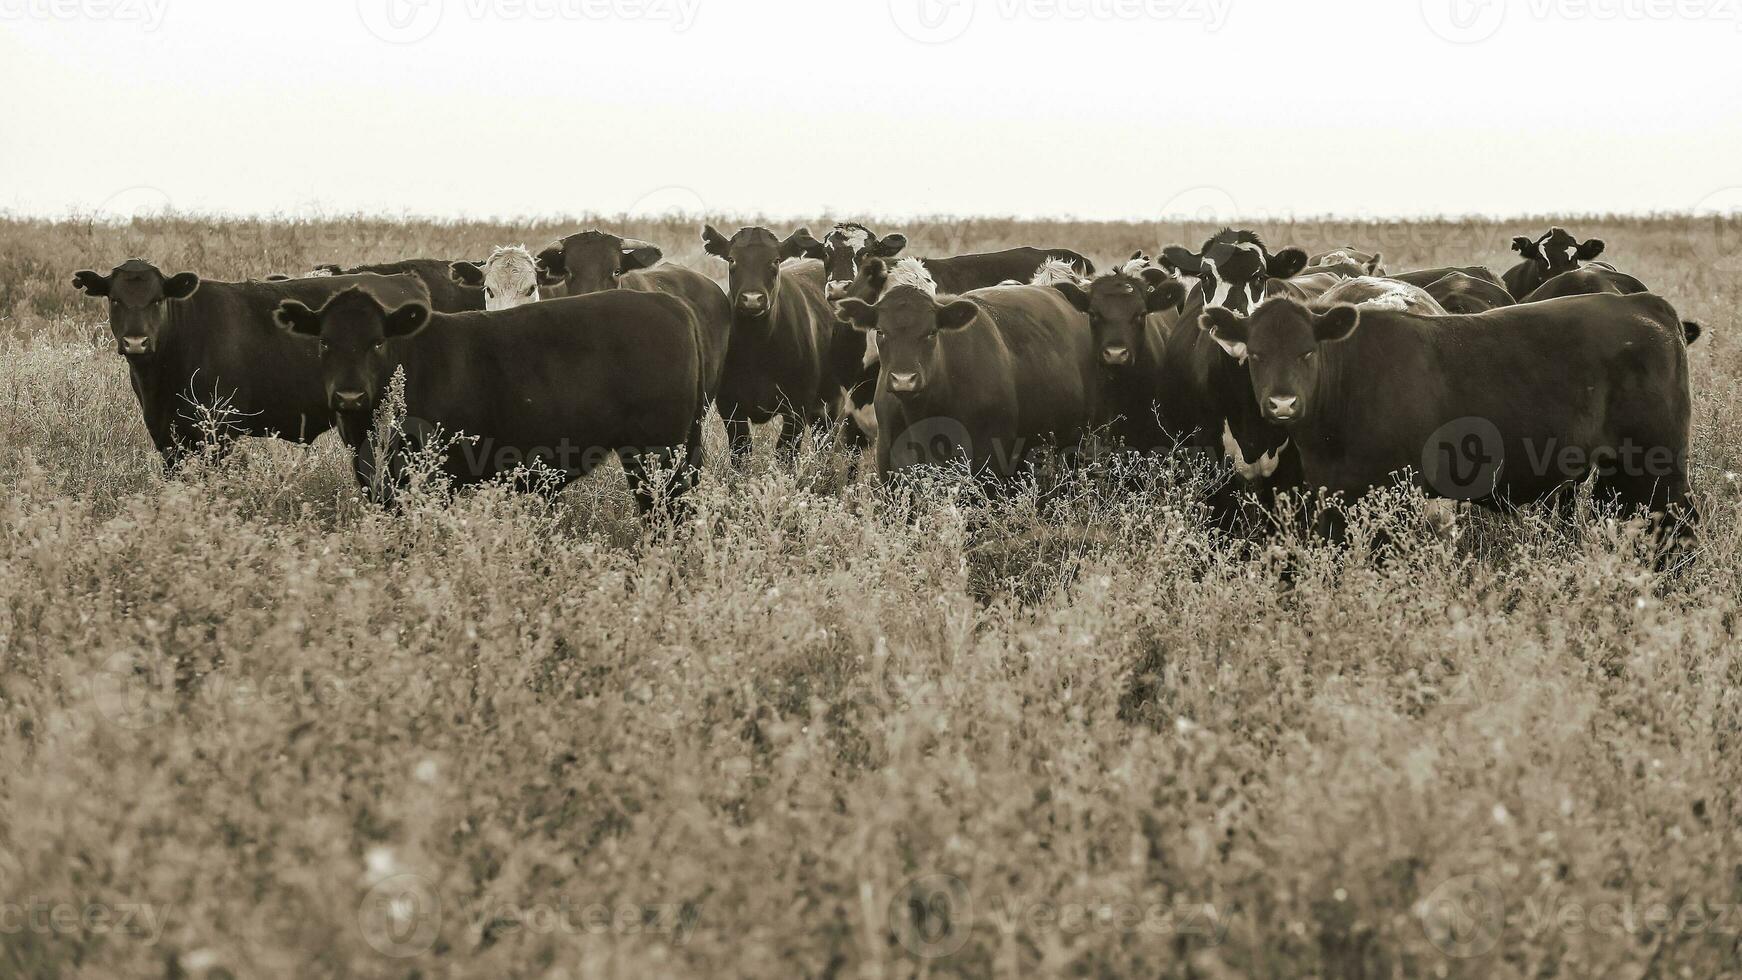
<point>713,312</point>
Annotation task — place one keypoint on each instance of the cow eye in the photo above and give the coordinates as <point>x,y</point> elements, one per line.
<point>1308,355</point>
<point>489,292</point>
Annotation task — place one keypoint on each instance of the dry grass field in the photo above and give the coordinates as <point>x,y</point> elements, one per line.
<point>251,726</point>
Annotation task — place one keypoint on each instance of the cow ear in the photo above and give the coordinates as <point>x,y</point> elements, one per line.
<point>1336,323</point>
<point>91,283</point>
<point>1286,264</point>
<point>715,243</point>
<point>957,315</point>
<point>181,285</point>
<point>890,245</point>
<point>1164,293</point>
<point>1181,259</point>
<point>800,245</point>
<point>406,320</point>
<point>298,318</point>
<point>639,255</point>
<point>1376,265</point>
<point>859,313</point>
<point>1592,248</point>
<point>1075,294</point>
<point>551,262</point>
<point>466,273</point>
<point>1526,248</point>
<point>1227,329</point>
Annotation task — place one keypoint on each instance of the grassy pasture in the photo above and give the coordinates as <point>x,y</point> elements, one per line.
<point>253,727</point>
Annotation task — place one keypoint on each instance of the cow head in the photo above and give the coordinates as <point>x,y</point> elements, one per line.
<point>1369,263</point>
<point>754,255</point>
<point>508,277</point>
<point>354,331</point>
<point>1232,268</point>
<point>137,292</point>
<point>906,322</point>
<point>1554,252</point>
<point>848,246</point>
<point>594,260</point>
<point>1280,346</point>
<point>1118,304</point>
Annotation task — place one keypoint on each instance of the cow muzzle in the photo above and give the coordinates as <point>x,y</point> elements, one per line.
<point>350,401</point>
<point>904,381</point>
<point>133,346</point>
<point>1284,409</point>
<point>753,304</point>
<point>1115,355</point>
<point>837,288</point>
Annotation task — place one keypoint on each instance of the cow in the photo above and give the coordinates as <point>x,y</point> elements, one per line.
<point>1232,268</point>
<point>592,261</point>
<point>1372,292</point>
<point>1599,278</point>
<point>1554,252</point>
<point>560,383</point>
<point>846,247</point>
<point>787,356</point>
<point>1369,263</point>
<point>993,379</point>
<point>1458,292</point>
<point>1509,406</point>
<point>958,274</point>
<point>1131,310</point>
<point>446,295</point>
<point>509,277</point>
<point>206,361</point>
<point>1422,277</point>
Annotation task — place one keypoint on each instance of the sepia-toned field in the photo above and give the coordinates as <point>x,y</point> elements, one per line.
<point>252,726</point>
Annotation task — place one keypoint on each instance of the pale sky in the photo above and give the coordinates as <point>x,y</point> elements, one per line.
<point>1090,108</point>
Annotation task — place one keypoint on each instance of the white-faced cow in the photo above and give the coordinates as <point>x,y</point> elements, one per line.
<point>206,359</point>
<point>1512,405</point>
<point>565,383</point>
<point>848,246</point>
<point>509,277</point>
<point>593,261</point>
<point>788,356</point>
<point>1542,258</point>
<point>445,294</point>
<point>996,379</point>
<point>1232,268</point>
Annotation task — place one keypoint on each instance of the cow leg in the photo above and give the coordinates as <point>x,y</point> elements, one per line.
<point>676,478</point>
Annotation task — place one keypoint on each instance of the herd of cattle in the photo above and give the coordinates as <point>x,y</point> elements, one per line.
<point>1319,371</point>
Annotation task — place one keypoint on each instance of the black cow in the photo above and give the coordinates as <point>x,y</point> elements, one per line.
<point>1554,252</point>
<point>1462,293</point>
<point>1232,268</point>
<point>562,382</point>
<point>994,378</point>
<point>206,360</point>
<point>788,356</point>
<point>1131,311</point>
<point>1515,404</point>
<point>591,261</point>
<point>1599,278</point>
<point>958,274</point>
<point>446,295</point>
<point>1423,277</point>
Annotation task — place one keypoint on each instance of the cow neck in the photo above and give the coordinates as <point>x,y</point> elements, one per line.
<point>155,377</point>
<point>1335,395</point>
